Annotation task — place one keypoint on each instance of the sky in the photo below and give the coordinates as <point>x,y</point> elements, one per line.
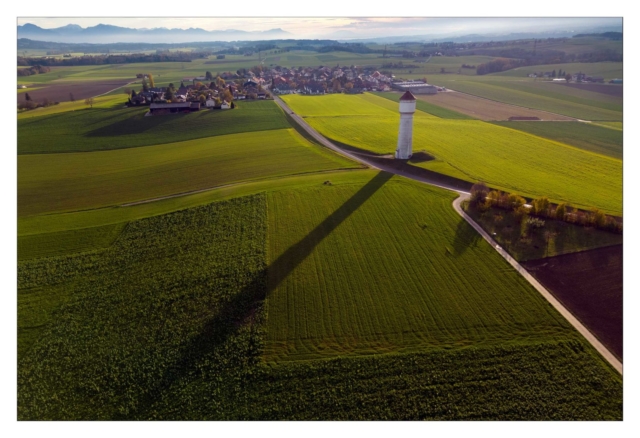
<point>341,27</point>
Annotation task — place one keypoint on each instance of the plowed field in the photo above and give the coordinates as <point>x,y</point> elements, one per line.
<point>61,92</point>
<point>485,109</point>
<point>589,283</point>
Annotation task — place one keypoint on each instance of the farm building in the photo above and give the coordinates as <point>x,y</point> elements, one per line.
<point>173,108</point>
<point>416,87</point>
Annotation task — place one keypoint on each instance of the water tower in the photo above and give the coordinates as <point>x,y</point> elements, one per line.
<point>405,136</point>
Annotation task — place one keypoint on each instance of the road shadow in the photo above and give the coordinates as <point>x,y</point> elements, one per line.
<point>240,308</point>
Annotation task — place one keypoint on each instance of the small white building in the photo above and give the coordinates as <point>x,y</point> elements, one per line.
<point>225,105</point>
<point>210,103</point>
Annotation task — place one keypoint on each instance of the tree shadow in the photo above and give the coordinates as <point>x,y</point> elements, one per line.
<point>239,308</point>
<point>465,237</point>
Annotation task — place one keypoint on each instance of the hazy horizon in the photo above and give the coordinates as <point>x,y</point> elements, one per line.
<point>341,28</point>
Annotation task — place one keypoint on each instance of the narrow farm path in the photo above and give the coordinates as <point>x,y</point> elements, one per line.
<point>606,354</point>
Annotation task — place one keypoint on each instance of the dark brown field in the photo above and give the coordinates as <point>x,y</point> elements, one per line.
<point>60,92</point>
<point>608,89</point>
<point>589,284</point>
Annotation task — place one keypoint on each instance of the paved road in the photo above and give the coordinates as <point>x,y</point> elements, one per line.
<point>606,354</point>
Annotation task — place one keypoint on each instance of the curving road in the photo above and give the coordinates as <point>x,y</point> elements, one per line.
<point>606,354</point>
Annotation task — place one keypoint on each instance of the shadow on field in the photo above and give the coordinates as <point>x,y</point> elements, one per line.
<point>136,124</point>
<point>464,238</point>
<point>293,256</point>
<point>240,308</point>
<point>237,311</point>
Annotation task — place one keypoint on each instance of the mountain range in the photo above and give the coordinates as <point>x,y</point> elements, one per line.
<point>105,33</point>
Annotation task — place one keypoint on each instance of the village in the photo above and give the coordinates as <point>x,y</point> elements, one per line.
<point>220,92</point>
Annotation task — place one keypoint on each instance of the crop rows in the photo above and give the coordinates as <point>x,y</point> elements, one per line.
<point>389,266</point>
<point>173,292</point>
<point>168,324</point>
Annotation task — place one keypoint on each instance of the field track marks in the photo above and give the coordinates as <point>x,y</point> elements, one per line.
<point>609,357</point>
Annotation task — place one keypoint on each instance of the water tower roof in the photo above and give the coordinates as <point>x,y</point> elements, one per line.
<point>407,96</point>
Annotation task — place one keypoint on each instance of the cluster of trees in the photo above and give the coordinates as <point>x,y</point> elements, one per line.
<point>482,198</point>
<point>28,103</point>
<point>34,70</point>
<point>498,65</point>
<point>518,57</point>
<point>399,65</point>
<point>347,47</point>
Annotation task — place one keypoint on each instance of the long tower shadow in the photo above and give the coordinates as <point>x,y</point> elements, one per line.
<point>297,253</point>
<point>239,309</point>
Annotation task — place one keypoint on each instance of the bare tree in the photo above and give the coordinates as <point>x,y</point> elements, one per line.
<point>89,101</point>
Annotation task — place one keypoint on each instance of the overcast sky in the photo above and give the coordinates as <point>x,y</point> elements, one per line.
<point>334,27</point>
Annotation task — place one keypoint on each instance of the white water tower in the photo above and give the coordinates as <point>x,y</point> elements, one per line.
<point>405,136</point>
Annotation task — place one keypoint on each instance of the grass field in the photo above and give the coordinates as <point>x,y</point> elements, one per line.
<point>116,127</point>
<point>608,70</point>
<point>393,268</point>
<point>472,150</point>
<point>77,181</point>
<point>126,333</point>
<point>586,136</point>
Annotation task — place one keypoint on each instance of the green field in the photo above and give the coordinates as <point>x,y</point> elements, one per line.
<point>389,266</point>
<point>116,127</point>
<point>123,334</point>
<point>429,108</point>
<point>277,280</point>
<point>473,150</point>
<point>608,70</point>
<point>78,181</point>
<point>586,136</point>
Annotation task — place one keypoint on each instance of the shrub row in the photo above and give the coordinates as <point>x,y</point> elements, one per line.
<point>483,198</point>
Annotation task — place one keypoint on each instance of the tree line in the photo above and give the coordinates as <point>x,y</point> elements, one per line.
<point>34,70</point>
<point>530,215</point>
<point>114,59</point>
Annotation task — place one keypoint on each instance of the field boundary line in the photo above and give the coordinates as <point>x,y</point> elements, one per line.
<point>590,337</point>
<point>239,183</point>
